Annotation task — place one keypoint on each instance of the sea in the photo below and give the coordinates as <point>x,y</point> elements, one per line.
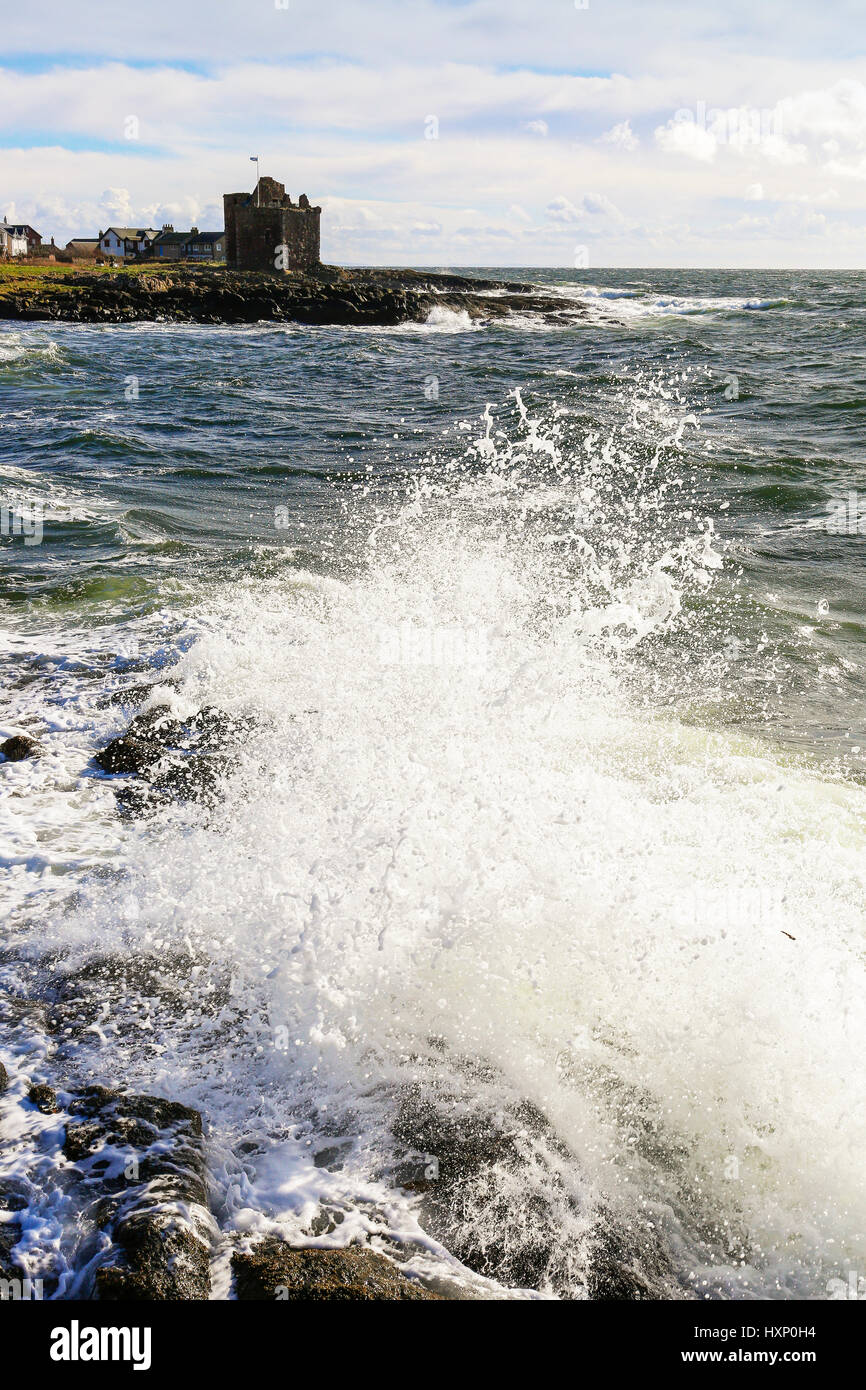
<point>525,938</point>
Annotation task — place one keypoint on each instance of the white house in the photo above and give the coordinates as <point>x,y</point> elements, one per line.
<point>123,242</point>
<point>13,240</point>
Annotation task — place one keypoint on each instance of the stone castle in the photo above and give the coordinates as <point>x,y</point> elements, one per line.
<point>265,230</point>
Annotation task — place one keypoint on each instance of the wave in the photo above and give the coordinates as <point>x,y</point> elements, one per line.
<point>629,305</point>
<point>446,320</point>
<point>17,348</point>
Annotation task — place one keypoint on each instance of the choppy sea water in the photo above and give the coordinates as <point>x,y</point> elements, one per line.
<point>551,804</point>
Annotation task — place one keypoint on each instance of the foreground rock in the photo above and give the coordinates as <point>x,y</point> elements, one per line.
<point>502,1192</point>
<point>176,759</point>
<point>19,747</point>
<point>10,1234</point>
<point>141,1160</point>
<point>128,1173</point>
<point>276,1271</point>
<point>154,982</point>
<point>217,295</point>
<point>44,1098</point>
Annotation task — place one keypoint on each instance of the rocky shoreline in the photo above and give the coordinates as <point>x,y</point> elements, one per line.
<point>212,295</point>
<point>134,1169</point>
<point>124,1174</point>
<point>127,1171</point>
<point>130,1172</point>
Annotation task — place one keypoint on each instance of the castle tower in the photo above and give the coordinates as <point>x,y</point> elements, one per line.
<point>265,230</point>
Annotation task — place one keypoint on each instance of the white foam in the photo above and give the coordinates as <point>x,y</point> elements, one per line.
<point>447,320</point>
<point>630,306</point>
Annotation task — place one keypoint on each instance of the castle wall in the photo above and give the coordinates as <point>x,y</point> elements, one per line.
<point>302,233</point>
<point>230,203</point>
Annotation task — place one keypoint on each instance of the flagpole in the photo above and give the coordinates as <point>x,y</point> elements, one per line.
<point>254,159</point>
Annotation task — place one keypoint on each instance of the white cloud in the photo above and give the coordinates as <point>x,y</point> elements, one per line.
<point>686,138</point>
<point>118,206</point>
<point>836,113</point>
<point>748,132</point>
<point>780,151</point>
<point>847,169</point>
<point>597,205</point>
<point>622,136</point>
<point>593,206</point>
<point>562,210</point>
<point>537,127</point>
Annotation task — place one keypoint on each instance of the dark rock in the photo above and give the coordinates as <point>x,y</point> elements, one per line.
<point>161,1260</point>
<point>129,754</point>
<point>501,1191</point>
<point>212,728</point>
<point>326,1221</point>
<point>82,1141</point>
<point>157,725</point>
<point>44,1098</point>
<point>161,1137</point>
<point>18,747</point>
<point>10,1234</point>
<point>467,1161</point>
<point>179,756</point>
<point>135,1180</point>
<point>458,1139</point>
<point>630,1268</point>
<point>14,1195</point>
<point>332,1157</point>
<point>4,1078</point>
<point>195,778</point>
<point>274,1270</point>
<point>100,1100</point>
<point>129,695</point>
<point>155,982</point>
<point>141,1157</point>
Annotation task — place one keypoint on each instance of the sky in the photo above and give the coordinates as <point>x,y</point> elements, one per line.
<point>453,132</point>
